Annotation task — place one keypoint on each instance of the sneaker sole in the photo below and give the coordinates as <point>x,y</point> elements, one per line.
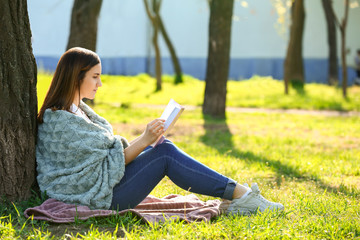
<point>241,211</point>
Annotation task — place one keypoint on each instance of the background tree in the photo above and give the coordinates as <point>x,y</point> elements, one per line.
<point>153,14</point>
<point>342,26</point>
<point>18,105</point>
<point>332,41</point>
<point>331,35</point>
<point>293,66</point>
<point>174,58</point>
<point>84,24</point>
<point>218,57</point>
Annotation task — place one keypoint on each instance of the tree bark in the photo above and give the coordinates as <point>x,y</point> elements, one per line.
<point>158,67</point>
<point>331,34</point>
<point>218,58</point>
<point>84,24</point>
<point>153,16</point>
<point>343,26</point>
<point>174,58</point>
<point>293,65</point>
<point>18,105</point>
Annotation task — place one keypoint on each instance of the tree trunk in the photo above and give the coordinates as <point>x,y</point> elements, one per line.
<point>158,67</point>
<point>343,60</point>
<point>174,58</point>
<point>18,105</point>
<point>155,23</point>
<point>331,31</point>
<point>84,24</point>
<point>293,66</point>
<point>218,58</point>
<point>343,48</point>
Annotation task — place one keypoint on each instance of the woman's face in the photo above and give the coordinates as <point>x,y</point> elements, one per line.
<point>91,82</point>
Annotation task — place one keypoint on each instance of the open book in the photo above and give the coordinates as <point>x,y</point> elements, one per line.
<point>171,113</point>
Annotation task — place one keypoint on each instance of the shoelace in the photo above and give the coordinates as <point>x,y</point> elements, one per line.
<point>261,198</point>
<point>255,189</point>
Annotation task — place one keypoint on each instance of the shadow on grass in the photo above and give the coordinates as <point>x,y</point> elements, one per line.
<point>298,86</point>
<point>218,136</point>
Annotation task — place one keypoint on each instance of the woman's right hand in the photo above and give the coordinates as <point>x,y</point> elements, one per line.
<point>153,131</point>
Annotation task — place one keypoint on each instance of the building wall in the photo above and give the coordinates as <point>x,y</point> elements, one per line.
<point>124,37</point>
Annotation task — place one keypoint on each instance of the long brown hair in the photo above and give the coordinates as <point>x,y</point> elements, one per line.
<point>69,74</point>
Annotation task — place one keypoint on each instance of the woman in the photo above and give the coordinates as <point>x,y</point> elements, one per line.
<point>81,161</point>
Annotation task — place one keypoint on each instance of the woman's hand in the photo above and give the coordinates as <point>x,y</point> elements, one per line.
<point>153,131</point>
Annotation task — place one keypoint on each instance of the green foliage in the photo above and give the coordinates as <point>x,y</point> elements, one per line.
<point>310,163</point>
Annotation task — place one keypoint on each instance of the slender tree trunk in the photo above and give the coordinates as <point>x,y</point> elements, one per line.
<point>293,66</point>
<point>18,104</point>
<point>84,24</point>
<point>174,58</point>
<point>331,30</point>
<point>158,67</point>
<point>218,58</point>
<point>343,60</point>
<point>155,23</point>
<point>343,48</point>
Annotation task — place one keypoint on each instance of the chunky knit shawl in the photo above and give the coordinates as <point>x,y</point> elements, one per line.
<point>79,162</point>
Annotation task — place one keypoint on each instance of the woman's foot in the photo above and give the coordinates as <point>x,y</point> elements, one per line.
<point>252,202</point>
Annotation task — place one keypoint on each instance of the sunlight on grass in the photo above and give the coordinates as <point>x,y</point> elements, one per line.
<point>263,92</point>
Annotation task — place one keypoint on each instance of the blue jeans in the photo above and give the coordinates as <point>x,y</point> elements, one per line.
<point>153,164</point>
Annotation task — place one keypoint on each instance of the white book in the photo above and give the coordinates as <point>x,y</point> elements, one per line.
<point>170,114</point>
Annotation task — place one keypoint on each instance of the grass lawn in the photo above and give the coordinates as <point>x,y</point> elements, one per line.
<point>257,92</point>
<point>310,163</point>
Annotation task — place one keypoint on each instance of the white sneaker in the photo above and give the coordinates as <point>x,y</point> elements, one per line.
<point>252,203</point>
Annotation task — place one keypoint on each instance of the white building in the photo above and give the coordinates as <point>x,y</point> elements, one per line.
<point>257,48</point>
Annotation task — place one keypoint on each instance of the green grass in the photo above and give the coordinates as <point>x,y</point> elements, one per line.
<point>263,92</point>
<point>310,163</point>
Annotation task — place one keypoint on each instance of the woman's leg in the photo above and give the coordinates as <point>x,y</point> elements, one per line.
<point>147,170</point>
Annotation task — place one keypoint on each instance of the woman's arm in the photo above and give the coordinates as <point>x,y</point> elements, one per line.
<point>152,132</point>
<point>136,139</point>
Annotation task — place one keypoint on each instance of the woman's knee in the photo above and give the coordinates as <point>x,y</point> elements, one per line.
<point>167,147</point>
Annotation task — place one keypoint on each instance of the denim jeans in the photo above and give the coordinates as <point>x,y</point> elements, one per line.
<point>166,159</point>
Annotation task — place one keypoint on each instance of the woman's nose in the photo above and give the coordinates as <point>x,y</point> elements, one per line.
<point>99,83</point>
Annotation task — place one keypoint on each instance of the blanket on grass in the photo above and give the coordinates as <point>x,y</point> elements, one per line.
<point>175,207</point>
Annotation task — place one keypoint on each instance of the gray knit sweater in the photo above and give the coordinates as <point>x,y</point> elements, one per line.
<point>79,162</point>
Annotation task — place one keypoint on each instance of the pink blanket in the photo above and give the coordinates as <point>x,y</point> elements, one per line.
<point>152,209</point>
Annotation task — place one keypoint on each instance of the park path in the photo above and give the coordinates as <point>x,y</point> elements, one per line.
<point>327,113</point>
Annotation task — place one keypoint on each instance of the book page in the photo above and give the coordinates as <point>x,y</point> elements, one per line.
<point>171,117</point>
<point>170,114</point>
<point>169,109</point>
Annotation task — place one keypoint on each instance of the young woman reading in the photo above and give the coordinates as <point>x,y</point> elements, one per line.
<point>81,161</point>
